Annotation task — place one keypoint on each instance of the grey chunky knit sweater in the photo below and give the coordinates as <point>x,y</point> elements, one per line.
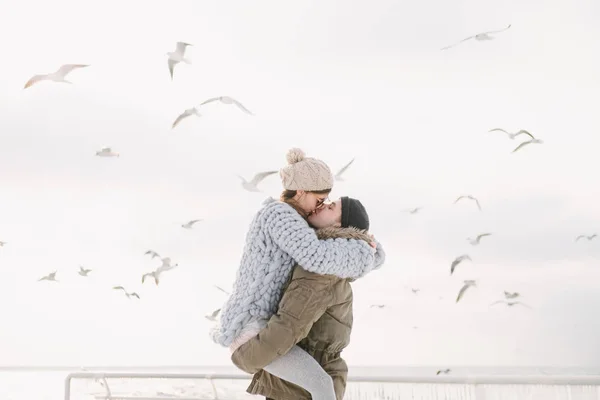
<point>279,238</point>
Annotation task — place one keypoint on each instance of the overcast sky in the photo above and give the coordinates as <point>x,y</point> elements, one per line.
<point>340,79</point>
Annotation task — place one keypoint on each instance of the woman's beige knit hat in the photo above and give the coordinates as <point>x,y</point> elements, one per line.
<point>305,173</point>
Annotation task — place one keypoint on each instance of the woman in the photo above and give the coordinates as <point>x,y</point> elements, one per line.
<point>280,237</point>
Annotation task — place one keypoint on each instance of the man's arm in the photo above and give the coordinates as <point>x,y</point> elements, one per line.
<point>303,303</point>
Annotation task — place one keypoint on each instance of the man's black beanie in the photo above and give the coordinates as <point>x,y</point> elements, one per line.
<point>354,214</point>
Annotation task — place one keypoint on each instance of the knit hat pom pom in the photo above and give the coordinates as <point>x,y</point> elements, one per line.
<point>295,155</point>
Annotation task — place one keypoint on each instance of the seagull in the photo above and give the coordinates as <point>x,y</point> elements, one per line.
<point>177,56</point>
<point>166,266</point>
<point>475,241</point>
<point>338,176</point>
<point>107,152</point>
<point>468,284</point>
<point>377,305</point>
<point>187,113</point>
<point>152,253</point>
<point>213,316</point>
<point>577,239</point>
<point>57,76</point>
<point>228,100</point>
<point>413,210</point>
<point>540,141</point>
<point>512,136</point>
<point>470,198</point>
<point>443,371</point>
<point>457,261</point>
<point>415,291</point>
<point>126,293</point>
<point>50,277</point>
<point>83,271</point>
<point>252,185</point>
<point>221,289</point>
<point>510,303</point>
<point>479,37</point>
<point>509,295</point>
<point>189,225</point>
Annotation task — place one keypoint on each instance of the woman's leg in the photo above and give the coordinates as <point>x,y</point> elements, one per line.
<point>299,368</point>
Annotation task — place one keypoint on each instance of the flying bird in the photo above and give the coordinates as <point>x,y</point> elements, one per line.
<point>338,176</point>
<point>252,185</point>
<point>177,56</point>
<point>83,271</point>
<point>415,291</point>
<point>187,113</point>
<point>475,241</point>
<point>510,295</point>
<point>107,152</point>
<point>468,284</point>
<point>457,261</point>
<point>587,237</point>
<point>413,210</point>
<point>479,37</point>
<point>512,136</point>
<point>510,303</point>
<point>443,371</point>
<point>213,315</point>
<point>470,198</point>
<point>57,76</point>
<point>227,100</point>
<point>189,225</point>
<point>134,294</point>
<point>50,277</point>
<point>152,253</point>
<point>377,305</point>
<point>166,266</point>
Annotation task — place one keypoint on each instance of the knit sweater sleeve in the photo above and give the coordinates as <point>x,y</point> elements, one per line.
<point>345,258</point>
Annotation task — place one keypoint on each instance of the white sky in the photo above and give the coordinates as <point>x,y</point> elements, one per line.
<point>339,79</point>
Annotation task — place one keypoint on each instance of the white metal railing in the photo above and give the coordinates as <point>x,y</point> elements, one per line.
<point>552,380</point>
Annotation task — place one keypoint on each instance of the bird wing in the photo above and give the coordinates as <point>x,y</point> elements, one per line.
<point>192,222</point>
<point>210,100</point>
<point>459,197</point>
<point>477,202</point>
<point>241,107</point>
<point>119,288</point>
<point>344,168</point>
<point>260,176</point>
<point>483,235</point>
<point>521,145</point>
<point>65,69</point>
<point>593,236</point>
<point>462,292</point>
<point>34,79</point>
<point>498,31</point>
<point>179,118</point>
<point>134,294</point>
<point>523,304</point>
<point>215,313</point>
<point>457,43</point>
<point>496,302</point>
<point>181,47</point>
<point>579,237</point>
<point>171,64</point>
<point>221,289</point>
<point>524,132</point>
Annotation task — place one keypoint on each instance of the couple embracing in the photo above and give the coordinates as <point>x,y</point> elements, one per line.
<point>289,315</point>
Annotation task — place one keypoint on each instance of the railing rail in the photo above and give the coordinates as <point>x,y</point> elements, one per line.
<point>587,380</point>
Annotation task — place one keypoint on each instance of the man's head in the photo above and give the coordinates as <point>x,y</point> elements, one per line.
<point>343,212</point>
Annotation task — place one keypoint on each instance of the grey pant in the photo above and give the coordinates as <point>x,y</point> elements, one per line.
<point>300,368</point>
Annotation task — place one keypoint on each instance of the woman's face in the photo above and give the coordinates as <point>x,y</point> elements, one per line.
<point>310,202</point>
<point>328,215</point>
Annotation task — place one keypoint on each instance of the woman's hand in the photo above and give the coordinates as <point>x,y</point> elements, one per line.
<point>373,243</point>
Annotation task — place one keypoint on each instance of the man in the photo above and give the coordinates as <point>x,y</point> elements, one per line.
<point>315,312</point>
